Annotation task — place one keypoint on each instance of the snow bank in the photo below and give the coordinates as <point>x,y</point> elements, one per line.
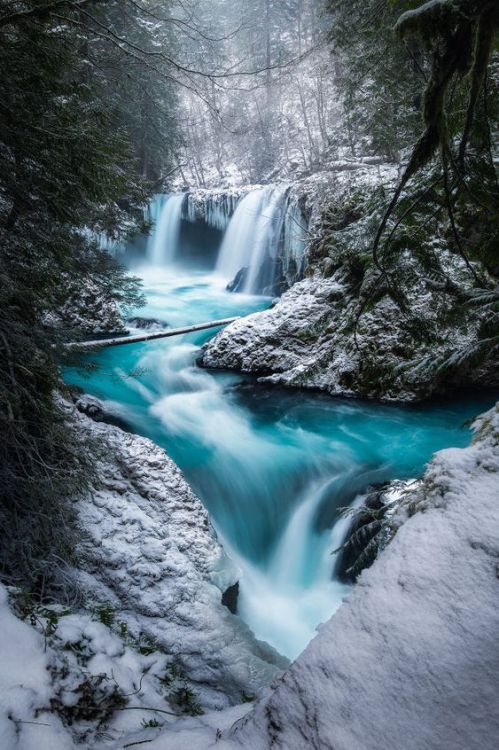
<point>25,688</point>
<point>410,660</point>
<point>307,340</point>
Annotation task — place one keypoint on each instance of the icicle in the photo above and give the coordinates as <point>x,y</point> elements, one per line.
<point>215,210</point>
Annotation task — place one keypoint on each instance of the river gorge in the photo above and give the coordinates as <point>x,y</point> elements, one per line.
<point>274,467</point>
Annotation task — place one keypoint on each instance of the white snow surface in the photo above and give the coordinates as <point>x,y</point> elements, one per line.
<point>25,688</point>
<point>410,661</point>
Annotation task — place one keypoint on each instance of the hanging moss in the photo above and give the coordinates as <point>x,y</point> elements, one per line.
<point>460,35</point>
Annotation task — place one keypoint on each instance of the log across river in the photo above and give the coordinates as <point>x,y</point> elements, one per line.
<point>136,339</point>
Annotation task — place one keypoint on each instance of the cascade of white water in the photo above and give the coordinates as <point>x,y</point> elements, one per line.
<point>254,233</point>
<point>300,551</point>
<point>239,240</point>
<point>267,233</point>
<point>166,212</point>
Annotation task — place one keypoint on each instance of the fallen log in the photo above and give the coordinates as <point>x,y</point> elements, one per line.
<point>123,340</point>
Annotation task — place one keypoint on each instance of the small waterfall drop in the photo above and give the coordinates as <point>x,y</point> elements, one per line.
<point>166,212</point>
<point>264,239</point>
<point>241,235</point>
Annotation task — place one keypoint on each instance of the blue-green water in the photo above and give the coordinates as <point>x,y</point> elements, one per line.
<point>271,466</point>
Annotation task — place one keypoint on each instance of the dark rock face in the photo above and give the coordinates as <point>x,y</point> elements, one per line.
<point>239,280</point>
<point>147,324</point>
<point>94,409</point>
<point>230,597</point>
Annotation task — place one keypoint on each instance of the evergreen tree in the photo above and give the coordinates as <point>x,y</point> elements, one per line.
<point>379,76</point>
<point>73,156</point>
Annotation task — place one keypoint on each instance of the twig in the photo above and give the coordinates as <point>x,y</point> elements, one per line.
<point>145,708</point>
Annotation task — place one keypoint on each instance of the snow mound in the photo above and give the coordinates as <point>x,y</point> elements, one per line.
<point>313,338</point>
<point>25,688</point>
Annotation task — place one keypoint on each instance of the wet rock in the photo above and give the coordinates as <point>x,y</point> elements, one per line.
<point>239,280</point>
<point>147,324</point>
<point>230,597</point>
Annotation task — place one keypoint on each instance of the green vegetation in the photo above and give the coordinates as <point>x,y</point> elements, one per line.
<point>75,162</point>
<point>425,93</point>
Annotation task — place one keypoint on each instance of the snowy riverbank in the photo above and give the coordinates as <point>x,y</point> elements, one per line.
<point>425,609</point>
<point>152,631</point>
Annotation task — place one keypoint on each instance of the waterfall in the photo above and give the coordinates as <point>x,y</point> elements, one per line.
<point>266,238</point>
<point>166,213</point>
<point>241,235</point>
<point>267,235</point>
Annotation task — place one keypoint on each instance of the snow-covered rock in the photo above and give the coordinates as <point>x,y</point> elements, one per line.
<point>149,638</point>
<point>410,660</point>
<point>308,339</point>
<point>89,311</point>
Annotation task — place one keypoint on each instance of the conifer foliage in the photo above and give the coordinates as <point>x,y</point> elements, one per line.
<point>440,58</point>
<point>73,164</point>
